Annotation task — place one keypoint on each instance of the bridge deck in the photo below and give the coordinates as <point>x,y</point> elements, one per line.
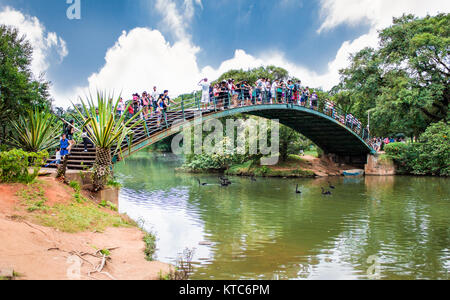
<point>326,131</point>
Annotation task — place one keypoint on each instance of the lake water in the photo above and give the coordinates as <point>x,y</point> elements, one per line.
<point>369,228</point>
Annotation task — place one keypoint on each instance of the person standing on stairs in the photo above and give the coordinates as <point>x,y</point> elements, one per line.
<point>69,134</point>
<point>64,145</point>
<point>86,140</point>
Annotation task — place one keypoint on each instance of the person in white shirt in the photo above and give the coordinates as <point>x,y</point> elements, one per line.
<point>259,90</point>
<point>121,107</point>
<point>205,92</point>
<point>155,96</point>
<point>274,91</point>
<point>58,156</point>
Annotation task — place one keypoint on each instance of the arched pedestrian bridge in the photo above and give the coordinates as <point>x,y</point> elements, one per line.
<point>325,127</point>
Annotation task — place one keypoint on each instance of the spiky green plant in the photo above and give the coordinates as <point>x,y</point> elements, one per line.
<point>105,131</point>
<point>36,131</point>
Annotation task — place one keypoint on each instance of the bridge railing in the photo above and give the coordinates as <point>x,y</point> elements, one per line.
<point>225,101</point>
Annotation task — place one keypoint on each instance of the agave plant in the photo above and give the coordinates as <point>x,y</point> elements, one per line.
<point>106,130</point>
<point>36,131</point>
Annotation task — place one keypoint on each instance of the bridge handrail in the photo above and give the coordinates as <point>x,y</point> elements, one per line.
<point>192,102</point>
<point>325,107</point>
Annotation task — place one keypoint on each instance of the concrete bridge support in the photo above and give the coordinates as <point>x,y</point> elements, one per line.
<point>379,166</point>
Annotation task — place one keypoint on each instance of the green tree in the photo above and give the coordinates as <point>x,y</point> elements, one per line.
<point>420,48</point>
<point>429,156</point>
<point>405,82</point>
<point>252,75</point>
<point>361,83</point>
<point>20,90</point>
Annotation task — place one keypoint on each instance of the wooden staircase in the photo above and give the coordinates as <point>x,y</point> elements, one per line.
<point>81,160</point>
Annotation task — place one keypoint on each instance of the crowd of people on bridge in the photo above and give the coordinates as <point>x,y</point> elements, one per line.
<point>232,94</point>
<point>224,95</point>
<point>379,143</point>
<point>147,104</point>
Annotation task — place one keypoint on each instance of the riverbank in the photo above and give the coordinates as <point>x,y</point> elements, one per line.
<point>50,230</point>
<point>295,166</point>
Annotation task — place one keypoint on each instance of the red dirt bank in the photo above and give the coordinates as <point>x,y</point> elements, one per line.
<point>37,252</point>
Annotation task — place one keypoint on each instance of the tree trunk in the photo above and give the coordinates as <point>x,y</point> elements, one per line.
<point>62,168</point>
<point>102,168</point>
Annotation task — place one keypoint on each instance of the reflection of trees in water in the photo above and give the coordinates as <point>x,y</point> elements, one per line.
<point>147,171</point>
<point>260,230</point>
<point>407,227</point>
<point>408,234</point>
<point>265,228</point>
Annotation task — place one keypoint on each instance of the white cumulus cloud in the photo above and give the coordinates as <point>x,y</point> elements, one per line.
<point>43,42</point>
<point>143,57</point>
<point>378,13</point>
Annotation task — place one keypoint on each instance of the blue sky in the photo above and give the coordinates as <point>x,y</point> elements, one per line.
<point>311,38</point>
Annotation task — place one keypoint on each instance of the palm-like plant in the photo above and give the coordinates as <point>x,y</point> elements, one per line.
<point>106,130</point>
<point>37,131</point>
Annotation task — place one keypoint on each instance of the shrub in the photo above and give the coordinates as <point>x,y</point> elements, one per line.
<point>430,156</point>
<point>150,246</point>
<point>214,161</point>
<point>37,131</point>
<point>434,151</point>
<point>15,165</point>
<point>396,150</point>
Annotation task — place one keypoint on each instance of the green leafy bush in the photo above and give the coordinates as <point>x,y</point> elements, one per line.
<point>430,156</point>
<point>150,246</point>
<point>434,151</point>
<point>396,149</point>
<point>215,161</point>
<point>15,165</point>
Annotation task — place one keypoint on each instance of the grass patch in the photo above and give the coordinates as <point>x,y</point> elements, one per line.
<point>75,185</point>
<point>296,159</point>
<point>150,246</point>
<point>290,169</point>
<point>242,169</point>
<point>108,204</point>
<point>299,173</point>
<point>313,153</point>
<point>78,197</point>
<point>79,217</point>
<point>33,197</point>
<point>149,241</point>
<point>113,183</point>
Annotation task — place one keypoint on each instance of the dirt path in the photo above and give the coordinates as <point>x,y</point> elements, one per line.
<point>37,252</point>
<point>323,167</point>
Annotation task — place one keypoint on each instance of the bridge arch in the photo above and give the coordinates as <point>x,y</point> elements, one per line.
<point>326,132</point>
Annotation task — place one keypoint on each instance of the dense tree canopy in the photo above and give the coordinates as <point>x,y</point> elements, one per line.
<point>405,82</point>
<point>19,89</point>
<point>252,75</point>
